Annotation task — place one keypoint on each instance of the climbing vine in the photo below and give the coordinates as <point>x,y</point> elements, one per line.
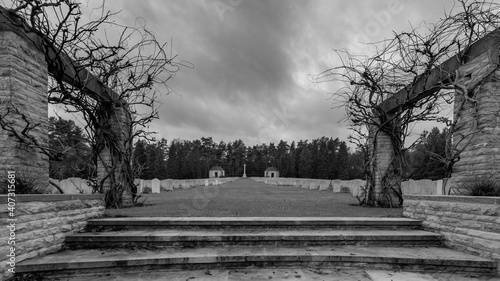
<point>407,63</point>
<point>126,69</point>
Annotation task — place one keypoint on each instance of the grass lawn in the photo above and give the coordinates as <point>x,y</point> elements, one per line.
<point>247,198</point>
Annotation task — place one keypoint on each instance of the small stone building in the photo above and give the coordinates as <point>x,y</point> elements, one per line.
<point>216,172</point>
<point>272,172</point>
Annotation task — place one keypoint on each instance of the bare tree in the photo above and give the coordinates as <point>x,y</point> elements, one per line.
<point>107,73</point>
<point>413,64</point>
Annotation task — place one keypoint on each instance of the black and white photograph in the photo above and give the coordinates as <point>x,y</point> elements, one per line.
<point>238,140</point>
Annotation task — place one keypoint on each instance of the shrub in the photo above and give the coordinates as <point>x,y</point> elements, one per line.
<point>147,190</point>
<point>25,184</point>
<point>480,186</point>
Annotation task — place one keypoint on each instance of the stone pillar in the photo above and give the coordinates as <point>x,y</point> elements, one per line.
<point>139,184</point>
<point>116,120</point>
<point>23,91</point>
<point>480,125</point>
<point>381,149</point>
<point>244,170</point>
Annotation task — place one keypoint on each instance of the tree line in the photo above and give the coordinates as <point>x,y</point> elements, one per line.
<point>321,158</point>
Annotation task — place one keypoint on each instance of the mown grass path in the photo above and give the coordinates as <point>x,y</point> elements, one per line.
<point>247,198</point>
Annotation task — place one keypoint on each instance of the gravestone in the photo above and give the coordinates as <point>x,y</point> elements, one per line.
<point>167,185</point>
<point>155,186</point>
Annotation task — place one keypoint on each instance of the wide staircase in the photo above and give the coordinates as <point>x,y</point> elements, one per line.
<point>121,246</point>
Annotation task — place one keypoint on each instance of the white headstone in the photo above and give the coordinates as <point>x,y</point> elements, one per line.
<point>439,187</point>
<point>167,185</point>
<point>155,186</point>
<point>206,182</point>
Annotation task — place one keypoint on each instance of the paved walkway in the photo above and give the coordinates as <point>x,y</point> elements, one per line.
<point>305,274</point>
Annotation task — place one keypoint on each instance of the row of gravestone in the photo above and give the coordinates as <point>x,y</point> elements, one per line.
<point>346,186</point>
<point>410,187</point>
<point>155,185</point>
<point>81,186</point>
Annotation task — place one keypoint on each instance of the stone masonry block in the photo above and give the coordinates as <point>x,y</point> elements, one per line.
<point>484,235</point>
<point>490,210</point>
<point>466,208</point>
<point>486,245</point>
<point>53,222</point>
<point>491,227</point>
<point>487,219</point>
<point>35,208</point>
<point>471,224</point>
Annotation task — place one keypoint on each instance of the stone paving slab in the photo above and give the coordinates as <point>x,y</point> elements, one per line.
<point>167,235</point>
<point>108,258</point>
<point>297,274</point>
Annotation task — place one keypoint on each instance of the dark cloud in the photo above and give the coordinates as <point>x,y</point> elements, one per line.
<point>251,61</point>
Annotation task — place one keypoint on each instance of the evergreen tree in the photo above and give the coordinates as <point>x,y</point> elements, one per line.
<point>356,162</point>
<point>160,164</point>
<point>173,161</point>
<point>423,164</point>
<point>282,157</point>
<point>139,159</point>
<point>323,159</point>
<point>305,163</point>
<point>332,158</point>
<point>71,155</point>
<point>343,161</point>
<point>292,165</point>
<point>314,148</point>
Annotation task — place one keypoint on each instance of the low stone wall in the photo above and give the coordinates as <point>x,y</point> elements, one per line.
<point>42,222</point>
<point>469,224</point>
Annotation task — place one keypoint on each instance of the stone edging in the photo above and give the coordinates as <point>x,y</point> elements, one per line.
<point>454,198</point>
<point>51,197</point>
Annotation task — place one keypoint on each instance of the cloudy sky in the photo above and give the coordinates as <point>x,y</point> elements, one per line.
<point>252,60</point>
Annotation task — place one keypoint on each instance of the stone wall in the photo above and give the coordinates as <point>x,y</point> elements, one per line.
<point>479,124</point>
<point>43,221</point>
<point>470,224</point>
<point>23,91</point>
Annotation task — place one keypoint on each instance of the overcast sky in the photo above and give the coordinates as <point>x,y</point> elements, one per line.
<point>252,59</point>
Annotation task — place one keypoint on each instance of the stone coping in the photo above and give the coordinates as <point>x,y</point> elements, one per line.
<point>51,197</point>
<point>455,198</point>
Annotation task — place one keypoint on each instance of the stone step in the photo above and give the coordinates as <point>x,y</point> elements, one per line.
<point>276,237</point>
<point>254,222</point>
<point>96,261</point>
<point>279,273</point>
